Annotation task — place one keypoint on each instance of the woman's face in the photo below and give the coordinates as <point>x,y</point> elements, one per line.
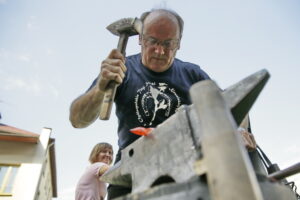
<point>105,156</point>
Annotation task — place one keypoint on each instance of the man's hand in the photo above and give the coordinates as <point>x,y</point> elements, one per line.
<point>112,69</point>
<point>248,139</point>
<point>85,109</point>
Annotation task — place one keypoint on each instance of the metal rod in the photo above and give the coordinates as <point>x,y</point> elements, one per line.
<point>292,170</point>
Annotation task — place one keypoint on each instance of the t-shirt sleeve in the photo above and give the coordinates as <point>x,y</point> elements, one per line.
<point>92,85</point>
<point>196,74</point>
<point>95,167</point>
<point>202,75</point>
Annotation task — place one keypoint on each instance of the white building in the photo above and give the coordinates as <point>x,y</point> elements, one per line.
<point>27,164</point>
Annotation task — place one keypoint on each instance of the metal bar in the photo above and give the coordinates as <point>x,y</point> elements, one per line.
<point>292,170</point>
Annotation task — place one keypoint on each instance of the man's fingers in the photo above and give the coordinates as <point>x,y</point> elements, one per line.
<point>113,75</point>
<point>248,139</point>
<point>251,136</point>
<point>247,142</point>
<point>114,62</point>
<point>123,66</point>
<point>251,140</point>
<point>118,63</point>
<point>112,69</point>
<point>116,54</point>
<point>109,76</point>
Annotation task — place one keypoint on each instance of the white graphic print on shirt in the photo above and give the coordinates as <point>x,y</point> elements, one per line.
<point>154,97</point>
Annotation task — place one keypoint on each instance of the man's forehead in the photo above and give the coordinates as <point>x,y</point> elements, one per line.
<point>160,15</point>
<point>161,22</point>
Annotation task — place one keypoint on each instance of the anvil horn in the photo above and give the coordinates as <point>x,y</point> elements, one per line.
<point>114,176</point>
<point>241,96</point>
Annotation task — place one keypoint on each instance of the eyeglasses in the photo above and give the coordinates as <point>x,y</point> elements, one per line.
<point>166,44</point>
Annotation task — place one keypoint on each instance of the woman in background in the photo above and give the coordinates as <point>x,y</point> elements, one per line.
<point>89,186</point>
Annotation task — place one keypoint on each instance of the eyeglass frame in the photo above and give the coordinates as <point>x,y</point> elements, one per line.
<point>159,42</point>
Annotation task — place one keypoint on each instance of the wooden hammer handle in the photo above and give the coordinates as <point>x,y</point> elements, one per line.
<point>107,101</point>
<point>111,88</point>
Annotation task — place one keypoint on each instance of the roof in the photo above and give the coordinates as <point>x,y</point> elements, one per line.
<point>10,133</point>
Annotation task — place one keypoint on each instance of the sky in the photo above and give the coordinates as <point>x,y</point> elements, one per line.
<point>50,52</point>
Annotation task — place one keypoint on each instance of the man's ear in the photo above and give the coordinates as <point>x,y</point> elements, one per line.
<point>140,40</point>
<point>179,43</point>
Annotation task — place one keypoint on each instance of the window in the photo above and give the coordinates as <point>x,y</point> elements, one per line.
<point>7,177</point>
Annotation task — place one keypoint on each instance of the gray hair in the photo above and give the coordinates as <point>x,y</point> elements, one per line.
<point>172,12</point>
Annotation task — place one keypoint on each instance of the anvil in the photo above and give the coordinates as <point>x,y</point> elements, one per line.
<point>204,133</point>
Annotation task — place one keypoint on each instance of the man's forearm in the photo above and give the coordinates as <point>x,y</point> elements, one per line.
<point>85,109</point>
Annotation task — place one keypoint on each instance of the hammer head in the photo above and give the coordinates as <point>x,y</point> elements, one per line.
<point>129,26</point>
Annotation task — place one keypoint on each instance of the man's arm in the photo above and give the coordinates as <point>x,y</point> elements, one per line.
<point>86,108</point>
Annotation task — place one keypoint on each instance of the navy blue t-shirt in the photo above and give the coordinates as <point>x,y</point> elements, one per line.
<point>146,98</point>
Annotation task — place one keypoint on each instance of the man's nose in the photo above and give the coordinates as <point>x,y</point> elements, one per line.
<point>159,49</point>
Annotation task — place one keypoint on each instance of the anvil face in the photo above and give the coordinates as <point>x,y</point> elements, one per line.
<point>169,153</point>
<point>186,138</point>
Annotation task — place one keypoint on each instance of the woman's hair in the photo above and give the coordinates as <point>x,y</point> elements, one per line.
<point>97,149</point>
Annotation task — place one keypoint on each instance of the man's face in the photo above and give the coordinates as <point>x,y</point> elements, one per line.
<point>160,41</point>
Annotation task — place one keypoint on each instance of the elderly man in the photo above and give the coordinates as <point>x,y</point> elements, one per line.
<point>153,83</point>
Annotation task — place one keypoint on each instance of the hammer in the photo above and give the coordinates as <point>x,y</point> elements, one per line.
<point>123,28</point>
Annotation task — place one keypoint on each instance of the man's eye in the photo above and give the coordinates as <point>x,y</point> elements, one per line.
<point>167,43</point>
<point>152,41</point>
